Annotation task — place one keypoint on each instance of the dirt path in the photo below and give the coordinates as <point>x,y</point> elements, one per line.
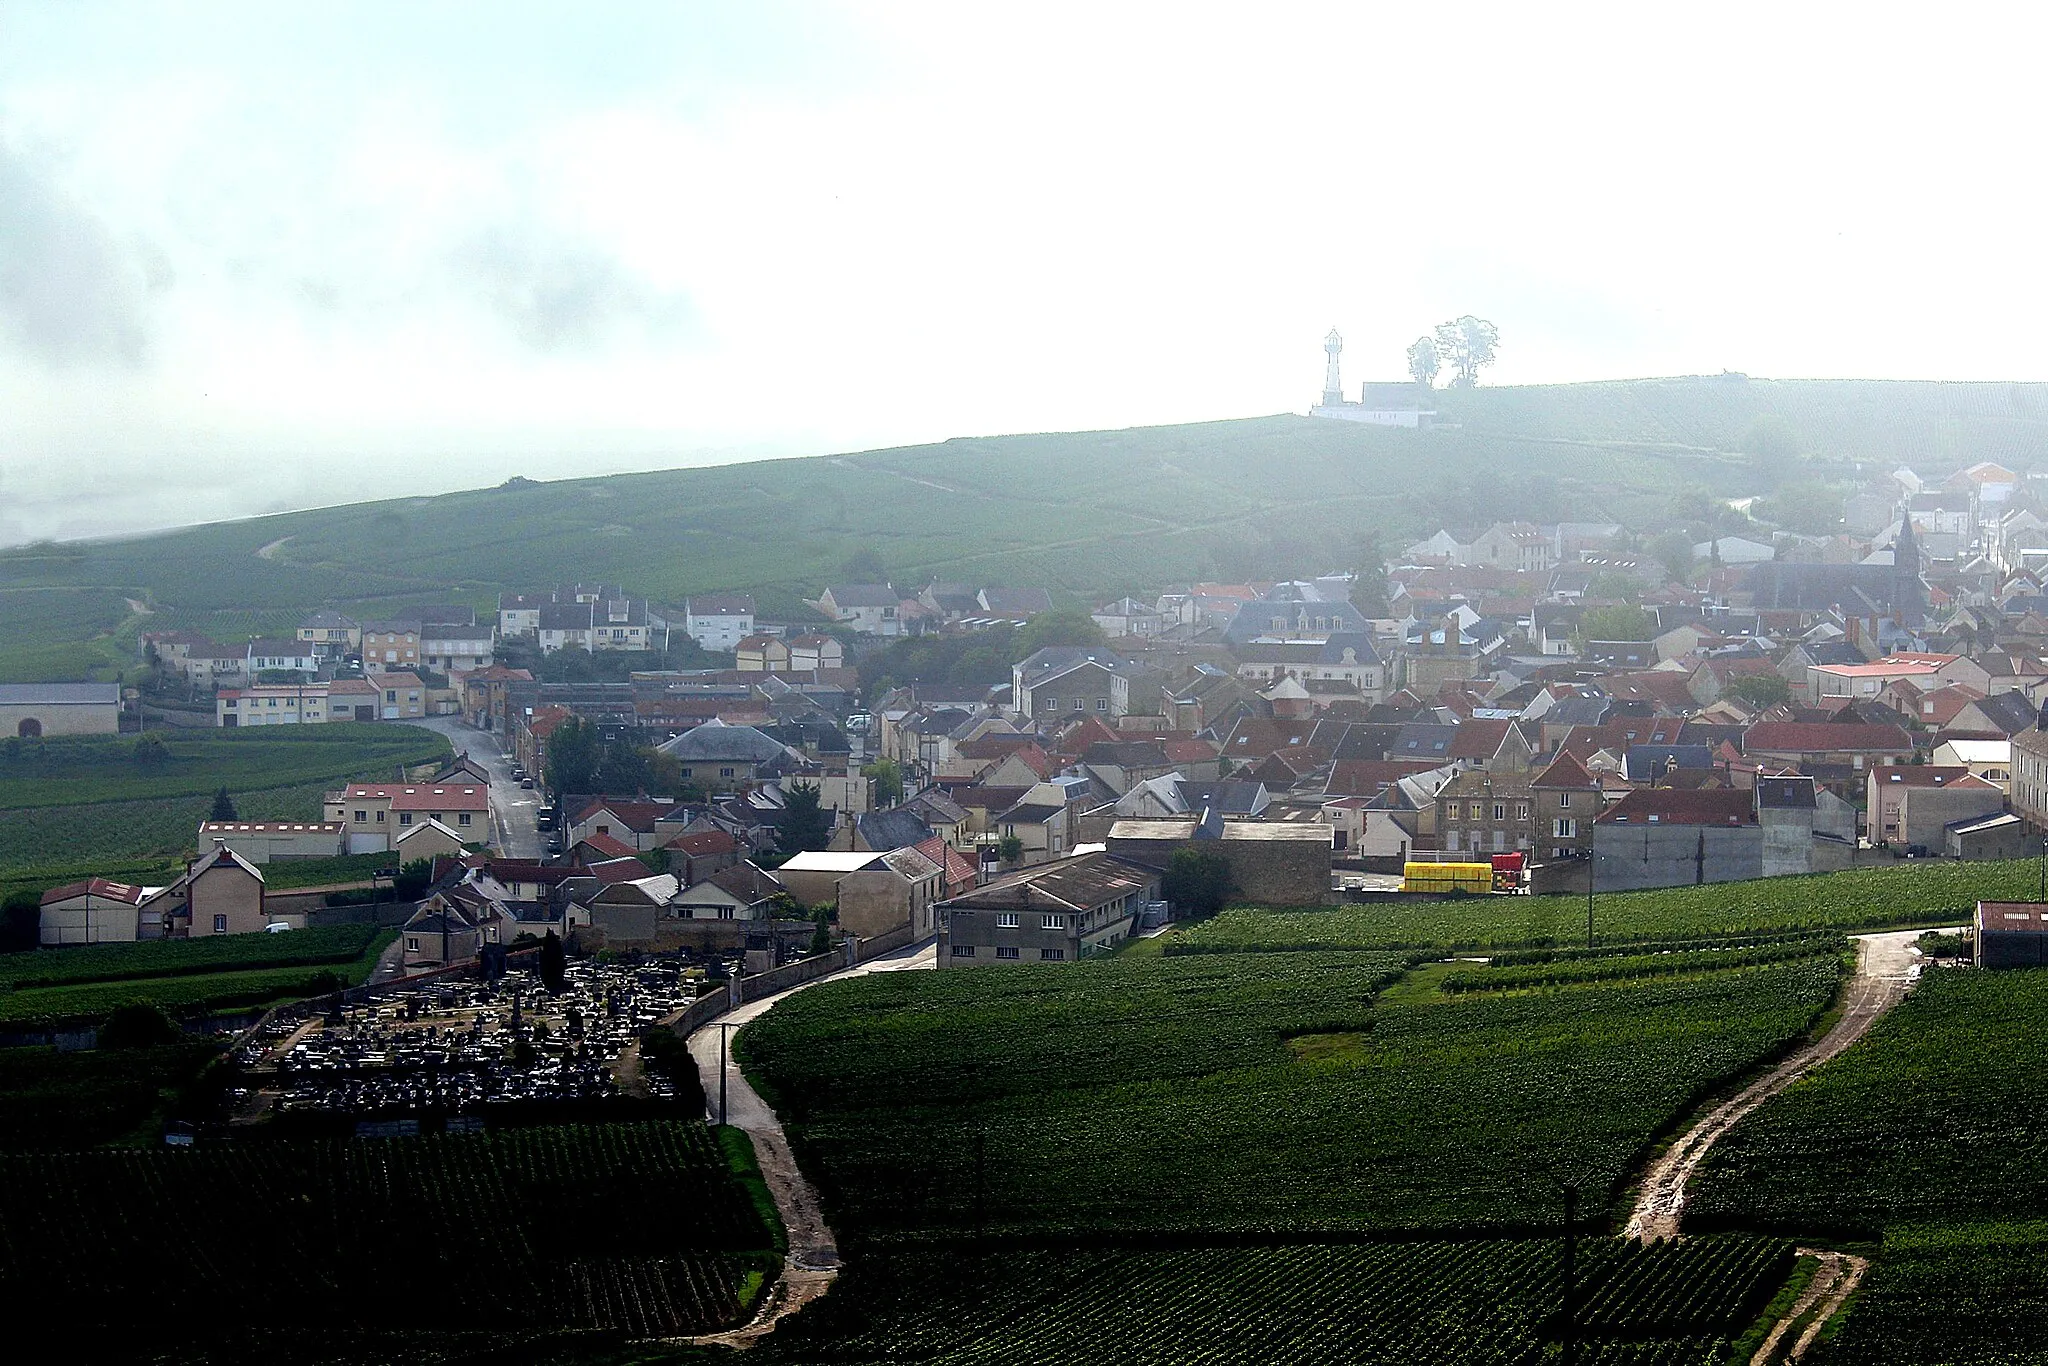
<point>1833,1282</point>
<point>271,551</point>
<point>1886,967</point>
<point>813,1260</point>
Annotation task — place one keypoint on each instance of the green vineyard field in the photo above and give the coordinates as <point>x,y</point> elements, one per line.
<point>1493,1302</point>
<point>1909,894</point>
<point>1162,1095</point>
<point>635,1228</point>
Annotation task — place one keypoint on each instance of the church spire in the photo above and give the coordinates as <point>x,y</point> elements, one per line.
<point>1908,598</point>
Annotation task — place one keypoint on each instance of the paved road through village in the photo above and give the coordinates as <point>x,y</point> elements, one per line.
<point>515,810</point>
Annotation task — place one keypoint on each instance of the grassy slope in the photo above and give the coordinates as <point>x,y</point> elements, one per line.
<point>1085,513</point>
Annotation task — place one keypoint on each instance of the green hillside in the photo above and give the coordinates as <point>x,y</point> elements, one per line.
<point>1084,513</point>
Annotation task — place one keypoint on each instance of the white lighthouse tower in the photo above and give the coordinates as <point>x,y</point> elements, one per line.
<point>1333,387</point>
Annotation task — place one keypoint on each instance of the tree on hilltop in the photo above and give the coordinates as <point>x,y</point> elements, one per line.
<point>1424,363</point>
<point>1467,343</point>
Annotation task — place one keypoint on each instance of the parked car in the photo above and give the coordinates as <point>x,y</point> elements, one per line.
<point>526,782</point>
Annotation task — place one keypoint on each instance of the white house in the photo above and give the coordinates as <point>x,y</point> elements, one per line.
<point>718,621</point>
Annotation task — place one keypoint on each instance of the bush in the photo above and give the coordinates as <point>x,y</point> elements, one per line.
<point>139,1026</point>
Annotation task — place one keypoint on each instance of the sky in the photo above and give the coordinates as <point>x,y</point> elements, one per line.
<point>256,257</point>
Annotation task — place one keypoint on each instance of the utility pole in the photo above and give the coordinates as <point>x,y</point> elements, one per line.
<point>722,1028</point>
<point>980,1189</point>
<point>1568,1331</point>
<point>1592,864</point>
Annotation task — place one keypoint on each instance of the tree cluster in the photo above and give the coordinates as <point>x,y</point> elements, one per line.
<point>581,760</point>
<point>1466,344</point>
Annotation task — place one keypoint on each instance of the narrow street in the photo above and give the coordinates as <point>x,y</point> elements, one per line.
<point>515,810</point>
<point>813,1260</point>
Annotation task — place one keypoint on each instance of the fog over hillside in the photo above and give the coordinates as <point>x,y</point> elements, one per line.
<point>254,259</point>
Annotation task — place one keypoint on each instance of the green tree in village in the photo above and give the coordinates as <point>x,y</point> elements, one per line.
<point>1759,690</point>
<point>887,776</point>
<point>223,806</point>
<point>151,754</point>
<point>554,964</point>
<point>574,753</point>
<point>1620,621</point>
<point>806,824</point>
<point>1369,591</point>
<point>1010,850</point>
<point>1673,550</point>
<point>1066,627</point>
<point>1197,882</point>
<point>821,937</point>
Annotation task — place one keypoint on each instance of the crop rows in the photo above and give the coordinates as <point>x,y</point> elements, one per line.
<point>638,1227</point>
<point>181,957</point>
<point>1937,1115</point>
<point>1493,1301</point>
<point>1928,893</point>
<point>1161,1096</point>
<point>1972,1293</point>
<point>1578,971</point>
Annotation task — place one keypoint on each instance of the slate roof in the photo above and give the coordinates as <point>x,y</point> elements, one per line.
<point>715,741</point>
<point>1070,884</point>
<point>2009,711</point>
<point>897,828</point>
<point>863,595</point>
<point>74,694</point>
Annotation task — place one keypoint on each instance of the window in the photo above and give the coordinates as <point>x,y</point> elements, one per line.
<point>1006,953</point>
<point>390,694</point>
<point>220,924</point>
<point>462,818</point>
<point>963,950</point>
<point>725,772</point>
<point>1079,704</point>
<point>1051,955</point>
<point>405,818</point>
<point>1052,922</point>
<point>1500,811</point>
<point>1051,704</point>
<point>1102,704</point>
<point>1564,801</point>
<point>725,912</point>
<point>1478,811</point>
<point>1564,829</point>
<point>412,944</point>
<point>362,817</point>
<point>380,818</point>
<point>1006,920</point>
<point>1521,811</point>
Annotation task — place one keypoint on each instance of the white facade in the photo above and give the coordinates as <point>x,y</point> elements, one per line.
<point>718,623</point>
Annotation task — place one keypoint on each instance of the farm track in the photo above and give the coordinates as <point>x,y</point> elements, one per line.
<point>1886,967</point>
<point>1832,1284</point>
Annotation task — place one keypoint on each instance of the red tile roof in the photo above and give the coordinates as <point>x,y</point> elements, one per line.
<point>1664,806</point>
<point>1825,737</point>
<point>704,843</point>
<point>606,846</point>
<point>1564,771</point>
<point>99,886</point>
<point>1478,739</point>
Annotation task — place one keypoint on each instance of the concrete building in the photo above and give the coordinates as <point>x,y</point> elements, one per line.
<point>2012,934</point>
<point>1054,913</point>
<point>1676,838</point>
<point>873,893</point>
<point>93,912</point>
<point>376,814</point>
<point>718,621</point>
<point>29,710</point>
<point>1272,863</point>
<point>262,842</point>
<point>219,893</point>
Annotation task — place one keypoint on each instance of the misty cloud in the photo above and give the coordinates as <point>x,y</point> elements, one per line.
<point>70,291</point>
<point>560,294</point>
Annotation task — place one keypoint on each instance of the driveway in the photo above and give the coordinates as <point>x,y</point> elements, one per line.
<point>515,810</point>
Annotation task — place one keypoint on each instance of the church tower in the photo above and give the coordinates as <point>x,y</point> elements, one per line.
<point>1333,387</point>
<point>1909,603</point>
